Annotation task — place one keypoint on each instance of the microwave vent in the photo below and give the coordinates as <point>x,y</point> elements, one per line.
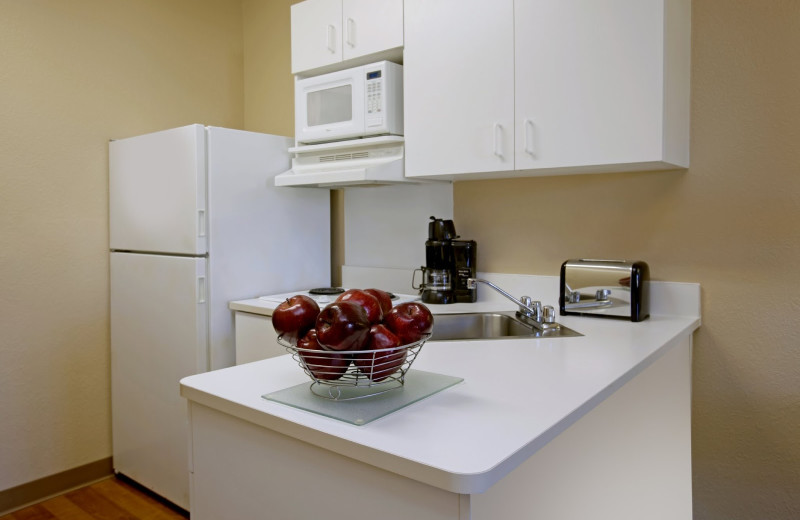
<point>370,161</point>
<point>343,156</point>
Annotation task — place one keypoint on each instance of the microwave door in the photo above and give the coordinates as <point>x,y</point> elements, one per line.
<point>331,108</point>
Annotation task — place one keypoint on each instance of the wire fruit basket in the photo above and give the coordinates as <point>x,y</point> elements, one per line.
<point>348,375</point>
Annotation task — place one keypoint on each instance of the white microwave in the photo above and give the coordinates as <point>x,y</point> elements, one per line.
<point>348,104</point>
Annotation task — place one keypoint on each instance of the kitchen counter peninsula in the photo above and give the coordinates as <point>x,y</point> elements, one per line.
<point>596,426</point>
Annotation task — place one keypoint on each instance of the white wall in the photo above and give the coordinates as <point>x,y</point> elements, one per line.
<point>387,226</point>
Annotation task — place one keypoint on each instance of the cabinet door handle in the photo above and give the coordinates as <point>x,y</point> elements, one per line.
<point>498,140</point>
<point>332,39</point>
<point>351,32</point>
<point>528,125</point>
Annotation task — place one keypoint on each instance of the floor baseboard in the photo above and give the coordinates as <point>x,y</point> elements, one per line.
<point>44,488</point>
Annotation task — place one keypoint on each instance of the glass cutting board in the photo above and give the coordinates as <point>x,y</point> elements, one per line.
<point>418,385</point>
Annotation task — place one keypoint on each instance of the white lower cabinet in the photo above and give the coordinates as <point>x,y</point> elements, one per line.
<point>255,338</point>
<point>628,458</point>
<point>544,87</point>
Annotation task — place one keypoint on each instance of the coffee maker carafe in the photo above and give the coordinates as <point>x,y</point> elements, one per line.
<point>449,262</point>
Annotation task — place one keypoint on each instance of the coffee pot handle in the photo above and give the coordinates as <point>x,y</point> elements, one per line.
<point>414,276</point>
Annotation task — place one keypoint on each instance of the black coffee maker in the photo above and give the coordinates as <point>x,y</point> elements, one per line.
<point>449,262</point>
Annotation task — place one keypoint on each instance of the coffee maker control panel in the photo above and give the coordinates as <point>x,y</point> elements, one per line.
<point>464,254</point>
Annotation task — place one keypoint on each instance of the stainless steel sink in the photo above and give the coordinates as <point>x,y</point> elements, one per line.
<point>489,325</point>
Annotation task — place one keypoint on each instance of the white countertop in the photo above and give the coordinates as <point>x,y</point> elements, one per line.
<point>264,305</point>
<point>517,395</point>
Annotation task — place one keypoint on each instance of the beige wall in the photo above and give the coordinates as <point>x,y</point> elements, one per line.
<point>731,222</point>
<point>72,75</point>
<point>75,73</point>
<point>268,80</point>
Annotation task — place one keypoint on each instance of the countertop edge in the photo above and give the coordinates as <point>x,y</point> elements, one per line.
<point>386,461</point>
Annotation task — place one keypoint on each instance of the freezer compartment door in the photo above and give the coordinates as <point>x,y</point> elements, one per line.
<point>158,336</point>
<point>157,192</point>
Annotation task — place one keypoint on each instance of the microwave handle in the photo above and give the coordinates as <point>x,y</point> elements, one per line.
<point>332,38</point>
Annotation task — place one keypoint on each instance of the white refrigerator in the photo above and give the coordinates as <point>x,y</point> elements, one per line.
<point>195,222</point>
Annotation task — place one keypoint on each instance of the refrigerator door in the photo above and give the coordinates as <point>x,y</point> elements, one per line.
<point>157,192</point>
<point>263,239</point>
<point>158,336</point>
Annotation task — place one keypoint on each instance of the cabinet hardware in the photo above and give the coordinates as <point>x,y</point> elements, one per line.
<point>351,29</point>
<point>498,140</point>
<point>528,135</point>
<point>332,39</point>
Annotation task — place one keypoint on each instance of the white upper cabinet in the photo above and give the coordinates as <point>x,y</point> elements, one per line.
<point>459,86</point>
<point>371,26</point>
<point>329,34</point>
<point>593,86</point>
<point>316,34</point>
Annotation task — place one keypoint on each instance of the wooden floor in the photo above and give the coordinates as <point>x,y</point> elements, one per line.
<point>108,499</point>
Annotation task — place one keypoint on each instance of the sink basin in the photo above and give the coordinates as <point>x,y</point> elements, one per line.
<point>489,325</point>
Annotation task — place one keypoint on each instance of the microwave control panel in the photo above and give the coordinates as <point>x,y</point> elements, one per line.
<point>375,108</point>
<point>383,86</point>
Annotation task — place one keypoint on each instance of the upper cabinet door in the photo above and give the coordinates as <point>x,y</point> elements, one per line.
<point>331,34</point>
<point>459,86</point>
<point>592,86</point>
<point>316,34</point>
<point>371,26</point>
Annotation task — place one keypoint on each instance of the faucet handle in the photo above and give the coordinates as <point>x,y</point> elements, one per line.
<point>537,306</point>
<point>530,308</point>
<point>602,295</point>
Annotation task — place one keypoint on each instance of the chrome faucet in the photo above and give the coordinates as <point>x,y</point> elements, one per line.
<point>530,311</point>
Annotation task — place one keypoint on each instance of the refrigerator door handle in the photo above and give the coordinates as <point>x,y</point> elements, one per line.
<point>201,222</point>
<point>201,289</point>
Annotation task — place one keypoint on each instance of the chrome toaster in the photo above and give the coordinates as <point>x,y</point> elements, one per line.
<point>605,289</point>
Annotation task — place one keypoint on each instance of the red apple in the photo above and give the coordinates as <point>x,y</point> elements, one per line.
<point>294,317</point>
<point>370,303</point>
<point>323,364</point>
<point>380,365</point>
<point>343,326</point>
<point>410,321</point>
<point>383,297</point>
